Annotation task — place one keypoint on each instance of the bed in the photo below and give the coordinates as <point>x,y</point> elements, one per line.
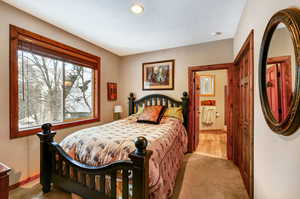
<point>119,160</point>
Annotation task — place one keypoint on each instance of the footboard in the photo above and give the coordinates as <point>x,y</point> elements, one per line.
<point>60,169</point>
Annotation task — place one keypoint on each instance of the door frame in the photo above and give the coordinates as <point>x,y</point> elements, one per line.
<point>249,44</point>
<point>191,76</point>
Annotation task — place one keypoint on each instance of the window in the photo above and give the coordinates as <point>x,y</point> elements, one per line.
<point>50,82</point>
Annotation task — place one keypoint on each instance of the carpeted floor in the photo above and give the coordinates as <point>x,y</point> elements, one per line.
<point>203,177</point>
<point>200,177</point>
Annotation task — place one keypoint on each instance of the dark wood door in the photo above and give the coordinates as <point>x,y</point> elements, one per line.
<point>227,119</point>
<point>280,99</point>
<point>242,116</point>
<point>245,117</point>
<point>272,89</point>
<point>232,112</point>
<point>286,91</point>
<point>197,109</point>
<point>233,118</point>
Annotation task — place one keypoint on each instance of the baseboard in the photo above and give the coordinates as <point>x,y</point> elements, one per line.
<point>23,182</point>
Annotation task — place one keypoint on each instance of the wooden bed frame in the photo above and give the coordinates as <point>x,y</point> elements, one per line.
<point>56,165</point>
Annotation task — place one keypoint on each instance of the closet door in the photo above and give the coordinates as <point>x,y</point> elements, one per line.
<point>243,113</point>
<point>245,118</point>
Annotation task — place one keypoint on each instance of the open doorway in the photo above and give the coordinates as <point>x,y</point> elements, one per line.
<point>196,117</point>
<point>211,91</point>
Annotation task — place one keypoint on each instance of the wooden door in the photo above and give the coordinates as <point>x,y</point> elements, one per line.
<point>272,90</point>
<point>227,120</point>
<point>285,77</point>
<point>234,83</point>
<point>233,121</point>
<point>197,109</point>
<point>242,103</point>
<point>245,117</point>
<point>279,89</point>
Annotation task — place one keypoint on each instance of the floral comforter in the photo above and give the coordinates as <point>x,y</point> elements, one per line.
<point>107,143</point>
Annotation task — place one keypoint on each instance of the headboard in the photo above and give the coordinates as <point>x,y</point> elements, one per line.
<point>159,99</point>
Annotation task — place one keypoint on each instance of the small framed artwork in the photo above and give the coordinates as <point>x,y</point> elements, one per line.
<point>158,75</point>
<point>207,85</point>
<point>112,94</point>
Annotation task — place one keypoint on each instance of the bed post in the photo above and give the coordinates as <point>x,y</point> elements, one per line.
<point>140,158</point>
<point>131,99</point>
<point>185,106</point>
<point>46,137</point>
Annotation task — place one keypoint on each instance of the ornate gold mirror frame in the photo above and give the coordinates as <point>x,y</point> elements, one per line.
<point>291,18</point>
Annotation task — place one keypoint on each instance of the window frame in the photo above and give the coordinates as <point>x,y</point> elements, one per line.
<point>76,56</point>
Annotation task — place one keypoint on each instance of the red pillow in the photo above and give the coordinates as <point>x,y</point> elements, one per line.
<point>151,115</point>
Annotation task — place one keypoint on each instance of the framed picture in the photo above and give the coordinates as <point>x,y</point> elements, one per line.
<point>158,75</point>
<point>207,85</point>
<point>112,91</point>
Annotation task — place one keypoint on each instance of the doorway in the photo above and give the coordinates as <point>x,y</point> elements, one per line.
<point>196,115</point>
<point>211,91</point>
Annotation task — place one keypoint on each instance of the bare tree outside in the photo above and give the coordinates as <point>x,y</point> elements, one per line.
<point>52,90</point>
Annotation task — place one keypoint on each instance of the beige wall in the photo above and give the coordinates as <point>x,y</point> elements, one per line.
<point>196,55</point>
<point>220,83</point>
<point>276,158</point>
<point>23,154</point>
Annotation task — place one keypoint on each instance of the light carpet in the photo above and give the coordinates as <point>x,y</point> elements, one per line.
<point>203,177</point>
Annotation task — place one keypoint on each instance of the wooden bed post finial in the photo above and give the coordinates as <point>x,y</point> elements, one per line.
<point>141,145</point>
<point>131,100</point>
<point>46,128</point>
<point>46,137</point>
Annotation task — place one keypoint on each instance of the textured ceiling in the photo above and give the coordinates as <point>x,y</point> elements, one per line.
<point>164,24</point>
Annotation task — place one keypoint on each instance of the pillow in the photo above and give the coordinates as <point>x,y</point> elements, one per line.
<point>140,110</point>
<point>175,112</point>
<point>151,115</point>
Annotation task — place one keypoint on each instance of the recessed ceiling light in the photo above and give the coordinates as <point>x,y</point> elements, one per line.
<point>137,8</point>
<point>216,33</point>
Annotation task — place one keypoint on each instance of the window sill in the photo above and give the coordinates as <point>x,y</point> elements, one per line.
<point>23,133</point>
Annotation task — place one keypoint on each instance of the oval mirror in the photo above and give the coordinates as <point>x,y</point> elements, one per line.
<point>278,72</point>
